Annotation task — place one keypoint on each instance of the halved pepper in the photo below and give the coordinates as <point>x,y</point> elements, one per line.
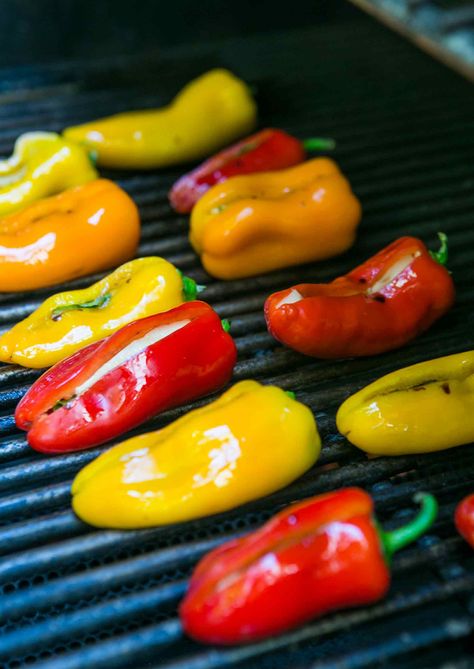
<point>80,231</point>
<point>66,322</point>
<point>267,150</point>
<point>418,409</point>
<point>250,442</point>
<point>324,553</point>
<point>464,519</point>
<point>260,222</point>
<point>42,164</point>
<point>111,386</point>
<point>380,305</point>
<point>208,113</point>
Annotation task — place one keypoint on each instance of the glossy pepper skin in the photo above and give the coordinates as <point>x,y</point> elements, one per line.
<point>322,554</point>
<point>42,164</point>
<point>418,409</point>
<point>256,223</point>
<point>464,519</point>
<point>78,232</point>
<point>113,385</point>
<point>208,113</point>
<point>379,306</point>
<point>250,442</point>
<point>66,322</point>
<point>267,150</point>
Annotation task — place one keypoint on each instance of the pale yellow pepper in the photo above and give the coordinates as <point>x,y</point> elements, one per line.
<point>66,322</point>
<point>42,164</point>
<point>418,409</point>
<point>210,112</point>
<point>250,442</point>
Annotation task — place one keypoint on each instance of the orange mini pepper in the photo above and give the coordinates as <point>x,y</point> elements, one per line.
<point>259,222</point>
<point>80,231</point>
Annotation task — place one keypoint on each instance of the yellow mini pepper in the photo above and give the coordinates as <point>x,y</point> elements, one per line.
<point>42,164</point>
<point>256,223</point>
<point>68,321</point>
<point>250,442</point>
<point>418,409</point>
<point>208,113</point>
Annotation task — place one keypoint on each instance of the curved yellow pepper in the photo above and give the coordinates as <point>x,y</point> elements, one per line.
<point>259,222</point>
<point>68,321</point>
<point>418,409</point>
<point>250,442</point>
<point>208,113</point>
<point>42,164</point>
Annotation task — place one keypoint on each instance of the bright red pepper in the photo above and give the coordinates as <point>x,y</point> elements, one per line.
<point>322,554</point>
<point>379,306</point>
<point>265,151</point>
<point>464,519</point>
<point>111,386</point>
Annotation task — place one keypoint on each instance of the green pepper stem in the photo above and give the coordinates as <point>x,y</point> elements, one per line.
<point>441,255</point>
<point>93,156</point>
<point>225,325</point>
<point>319,144</point>
<point>396,539</point>
<point>191,289</point>
<point>291,394</point>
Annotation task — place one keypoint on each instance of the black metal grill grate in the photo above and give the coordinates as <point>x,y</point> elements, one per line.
<point>74,597</point>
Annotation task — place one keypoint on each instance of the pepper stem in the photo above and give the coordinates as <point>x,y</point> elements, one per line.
<point>441,256</point>
<point>291,394</point>
<point>191,289</point>
<point>319,144</point>
<point>396,539</point>
<point>93,156</point>
<point>225,325</point>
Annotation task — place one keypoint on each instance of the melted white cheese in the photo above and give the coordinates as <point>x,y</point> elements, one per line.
<point>131,350</point>
<point>392,273</point>
<point>293,296</point>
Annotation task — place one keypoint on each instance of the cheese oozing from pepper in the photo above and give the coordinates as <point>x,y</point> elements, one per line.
<point>392,273</point>
<point>130,351</point>
<point>293,296</point>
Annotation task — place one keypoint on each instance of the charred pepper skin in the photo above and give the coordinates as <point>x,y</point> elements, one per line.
<point>42,164</point>
<point>422,408</point>
<point>323,554</point>
<point>248,443</point>
<point>66,322</point>
<point>381,305</point>
<point>115,384</point>
<point>256,223</point>
<point>464,519</point>
<point>209,112</point>
<point>265,151</point>
<point>82,230</point>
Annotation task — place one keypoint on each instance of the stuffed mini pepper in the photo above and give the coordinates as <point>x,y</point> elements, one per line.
<point>250,442</point>
<point>115,384</point>
<point>378,306</point>
<point>256,223</point>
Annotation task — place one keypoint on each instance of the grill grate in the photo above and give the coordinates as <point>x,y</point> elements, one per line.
<point>73,597</point>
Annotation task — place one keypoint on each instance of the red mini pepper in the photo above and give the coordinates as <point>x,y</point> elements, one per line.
<point>111,386</point>
<point>379,306</point>
<point>325,553</point>
<point>464,519</point>
<point>265,151</point>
